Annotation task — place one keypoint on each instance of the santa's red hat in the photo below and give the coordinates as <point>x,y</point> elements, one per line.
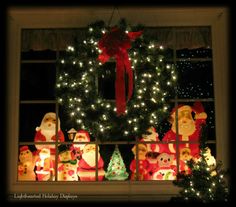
<point>198,107</point>
<point>85,133</point>
<point>180,108</point>
<point>24,148</point>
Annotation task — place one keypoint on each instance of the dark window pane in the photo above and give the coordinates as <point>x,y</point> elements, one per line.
<point>37,81</point>
<point>38,55</point>
<point>195,79</point>
<point>31,116</point>
<point>210,121</point>
<point>106,80</point>
<point>194,53</point>
<point>67,123</point>
<point>164,126</point>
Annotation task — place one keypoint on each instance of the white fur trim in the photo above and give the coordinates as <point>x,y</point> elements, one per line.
<point>171,148</point>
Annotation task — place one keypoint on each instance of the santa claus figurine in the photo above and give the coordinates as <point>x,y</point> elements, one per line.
<point>189,128</point>
<point>144,166</point>
<point>46,132</point>
<point>26,164</point>
<point>44,165</point>
<point>80,136</point>
<point>87,164</point>
<point>67,164</point>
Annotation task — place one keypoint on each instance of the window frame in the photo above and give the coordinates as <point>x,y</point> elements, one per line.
<point>29,18</point>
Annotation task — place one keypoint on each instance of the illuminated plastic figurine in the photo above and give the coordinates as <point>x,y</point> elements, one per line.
<point>144,166</point>
<point>67,164</point>
<point>87,164</point>
<point>44,166</point>
<point>166,169</point>
<point>80,136</point>
<point>189,127</point>
<point>46,132</point>
<point>26,164</point>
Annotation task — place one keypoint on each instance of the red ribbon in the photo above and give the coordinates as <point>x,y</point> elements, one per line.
<point>115,44</point>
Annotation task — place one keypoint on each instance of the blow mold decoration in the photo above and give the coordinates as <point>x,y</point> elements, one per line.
<point>116,168</point>
<point>189,121</point>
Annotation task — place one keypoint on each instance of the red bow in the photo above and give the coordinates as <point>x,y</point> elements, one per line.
<point>115,44</point>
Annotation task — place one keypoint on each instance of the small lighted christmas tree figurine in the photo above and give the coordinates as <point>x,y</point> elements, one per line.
<point>204,183</point>
<point>116,169</point>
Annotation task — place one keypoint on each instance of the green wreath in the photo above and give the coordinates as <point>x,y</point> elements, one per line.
<point>77,86</point>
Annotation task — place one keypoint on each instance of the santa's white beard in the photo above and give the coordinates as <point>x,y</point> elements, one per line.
<point>90,158</point>
<point>186,129</point>
<point>48,132</point>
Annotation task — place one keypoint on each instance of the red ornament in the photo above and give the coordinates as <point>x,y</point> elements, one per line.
<point>115,44</point>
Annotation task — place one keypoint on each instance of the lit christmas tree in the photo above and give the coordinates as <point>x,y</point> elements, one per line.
<point>205,183</point>
<point>116,169</point>
<point>143,86</point>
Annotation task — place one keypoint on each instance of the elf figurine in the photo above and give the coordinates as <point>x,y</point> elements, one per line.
<point>67,164</point>
<point>26,165</point>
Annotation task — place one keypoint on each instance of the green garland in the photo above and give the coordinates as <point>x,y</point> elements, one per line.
<point>76,86</point>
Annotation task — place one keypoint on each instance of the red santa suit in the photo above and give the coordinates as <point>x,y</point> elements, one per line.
<point>87,165</point>
<point>144,168</point>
